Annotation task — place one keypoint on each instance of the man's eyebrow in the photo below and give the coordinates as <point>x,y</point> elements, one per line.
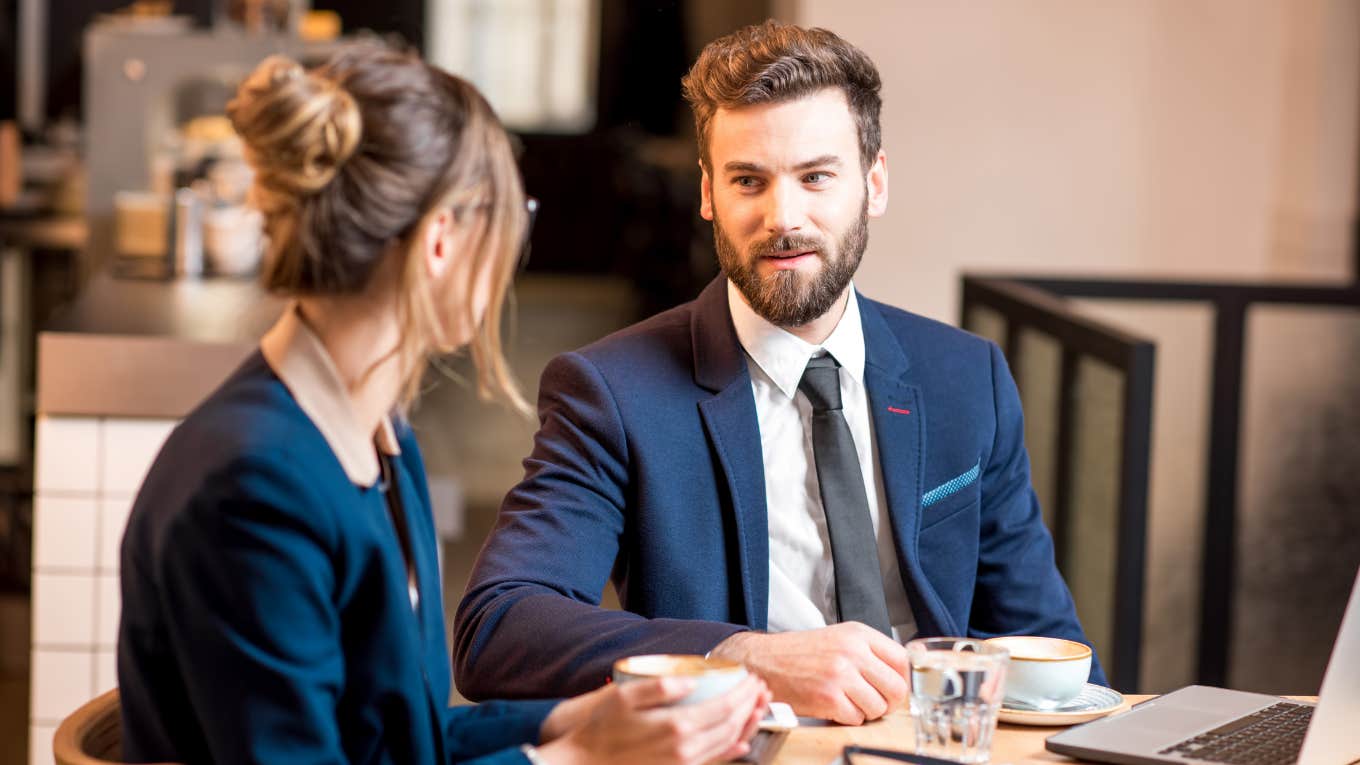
<point>743,167</point>
<point>826,160</point>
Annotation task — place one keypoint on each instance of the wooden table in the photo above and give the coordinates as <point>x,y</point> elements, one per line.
<point>1013,745</point>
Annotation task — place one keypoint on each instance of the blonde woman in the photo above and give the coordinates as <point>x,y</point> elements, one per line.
<point>281,600</point>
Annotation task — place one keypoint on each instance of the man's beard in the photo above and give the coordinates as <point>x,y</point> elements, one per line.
<point>786,298</point>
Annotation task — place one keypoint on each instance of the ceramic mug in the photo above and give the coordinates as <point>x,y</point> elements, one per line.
<point>1045,672</point>
<point>712,677</point>
<point>233,240</point>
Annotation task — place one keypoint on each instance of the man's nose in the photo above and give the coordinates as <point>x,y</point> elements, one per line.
<point>784,209</point>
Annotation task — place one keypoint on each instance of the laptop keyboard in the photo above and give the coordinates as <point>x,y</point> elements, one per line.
<point>1272,736</point>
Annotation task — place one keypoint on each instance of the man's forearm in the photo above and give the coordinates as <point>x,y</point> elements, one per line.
<point>536,643</point>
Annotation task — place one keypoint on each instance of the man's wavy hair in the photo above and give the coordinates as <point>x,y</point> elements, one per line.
<point>773,62</point>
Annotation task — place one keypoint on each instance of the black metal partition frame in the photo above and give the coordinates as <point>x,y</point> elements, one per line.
<point>1230,303</point>
<point>1026,306</point>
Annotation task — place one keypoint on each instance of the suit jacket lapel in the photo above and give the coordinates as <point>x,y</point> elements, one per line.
<point>897,409</point>
<point>424,556</point>
<point>428,612</point>
<point>730,420</point>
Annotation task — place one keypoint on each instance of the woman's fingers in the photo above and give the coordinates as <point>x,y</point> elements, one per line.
<point>719,709</point>
<point>715,726</point>
<point>757,714</point>
<point>647,694</point>
<point>742,745</point>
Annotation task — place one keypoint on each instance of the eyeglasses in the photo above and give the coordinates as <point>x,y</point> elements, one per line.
<point>531,208</point>
<point>847,756</point>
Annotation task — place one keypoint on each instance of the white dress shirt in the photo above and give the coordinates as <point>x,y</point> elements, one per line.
<point>802,575</point>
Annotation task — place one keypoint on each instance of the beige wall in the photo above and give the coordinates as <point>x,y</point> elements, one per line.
<point>1186,138</point>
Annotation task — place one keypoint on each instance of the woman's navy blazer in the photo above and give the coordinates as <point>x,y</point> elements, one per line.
<point>266,612</point>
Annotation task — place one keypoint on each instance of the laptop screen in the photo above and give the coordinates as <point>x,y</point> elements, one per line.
<point>1332,737</point>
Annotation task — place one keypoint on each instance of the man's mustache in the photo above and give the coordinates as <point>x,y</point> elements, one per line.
<point>787,242</point>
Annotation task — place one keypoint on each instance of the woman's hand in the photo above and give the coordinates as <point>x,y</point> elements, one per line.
<point>631,723</point>
<point>571,714</point>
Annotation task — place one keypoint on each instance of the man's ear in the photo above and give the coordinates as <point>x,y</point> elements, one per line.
<point>705,193</point>
<point>438,243</point>
<point>876,185</point>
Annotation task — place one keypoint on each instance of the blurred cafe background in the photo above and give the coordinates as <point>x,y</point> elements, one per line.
<point>1150,204</point>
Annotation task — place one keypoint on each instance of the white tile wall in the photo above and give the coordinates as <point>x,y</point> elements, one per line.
<point>105,671</point>
<point>128,448</point>
<point>107,608</point>
<point>86,472</point>
<point>113,517</point>
<point>63,610</point>
<point>61,682</point>
<point>67,454</point>
<point>40,744</point>
<point>64,531</point>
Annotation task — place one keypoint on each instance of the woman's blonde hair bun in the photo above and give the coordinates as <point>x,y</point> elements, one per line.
<point>299,127</point>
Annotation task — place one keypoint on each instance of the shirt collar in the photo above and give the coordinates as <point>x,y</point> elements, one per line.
<point>300,360</point>
<point>783,356</point>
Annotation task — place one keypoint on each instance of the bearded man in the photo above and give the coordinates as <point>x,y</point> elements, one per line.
<point>782,471</point>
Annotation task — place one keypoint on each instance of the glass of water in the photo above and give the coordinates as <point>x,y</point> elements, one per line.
<point>957,685</point>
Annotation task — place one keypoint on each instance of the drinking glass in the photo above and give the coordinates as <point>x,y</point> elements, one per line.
<point>957,685</point>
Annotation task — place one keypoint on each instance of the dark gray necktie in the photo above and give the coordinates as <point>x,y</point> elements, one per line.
<point>854,552</point>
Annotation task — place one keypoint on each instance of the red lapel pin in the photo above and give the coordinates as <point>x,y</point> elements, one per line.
<point>895,410</point>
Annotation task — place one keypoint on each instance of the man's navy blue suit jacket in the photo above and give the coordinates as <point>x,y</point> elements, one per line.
<point>647,470</point>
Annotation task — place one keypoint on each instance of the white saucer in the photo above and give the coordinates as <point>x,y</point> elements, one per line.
<point>1093,701</point>
<point>779,717</point>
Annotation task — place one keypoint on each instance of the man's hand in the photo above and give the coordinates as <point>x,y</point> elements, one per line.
<point>847,672</point>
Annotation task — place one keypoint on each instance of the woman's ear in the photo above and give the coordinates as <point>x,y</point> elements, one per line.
<point>437,239</point>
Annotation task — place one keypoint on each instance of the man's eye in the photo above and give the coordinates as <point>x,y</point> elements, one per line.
<point>816,177</point>
<point>746,181</point>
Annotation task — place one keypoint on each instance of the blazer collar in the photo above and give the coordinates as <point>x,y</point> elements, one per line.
<point>718,358</point>
<point>882,349</point>
<point>300,360</point>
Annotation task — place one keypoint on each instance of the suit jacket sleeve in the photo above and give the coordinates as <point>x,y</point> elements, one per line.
<point>530,624</point>
<point>1019,589</point>
<point>492,732</point>
<point>247,581</point>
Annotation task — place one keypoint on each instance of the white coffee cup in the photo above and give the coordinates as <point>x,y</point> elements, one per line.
<point>233,240</point>
<point>1045,672</point>
<point>712,677</point>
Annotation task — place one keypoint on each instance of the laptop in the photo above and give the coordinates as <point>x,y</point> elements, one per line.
<point>1199,724</point>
